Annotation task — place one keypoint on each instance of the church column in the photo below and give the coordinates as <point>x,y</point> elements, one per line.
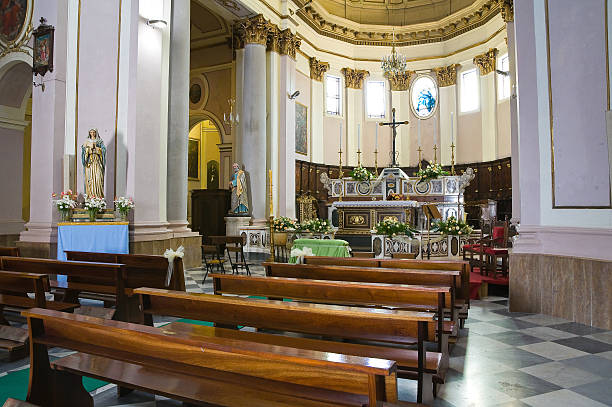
<point>447,83</point>
<point>273,99</point>
<point>400,101</point>
<point>178,118</point>
<point>487,63</point>
<point>48,137</point>
<point>11,159</point>
<point>317,103</point>
<point>353,81</point>
<point>289,43</point>
<point>252,143</point>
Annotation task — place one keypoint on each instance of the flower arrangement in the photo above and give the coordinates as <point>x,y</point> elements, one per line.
<point>432,171</point>
<point>66,202</point>
<point>94,205</point>
<point>391,228</point>
<point>452,226</point>
<point>361,174</point>
<point>316,226</point>
<point>394,197</point>
<point>124,206</point>
<point>283,224</point>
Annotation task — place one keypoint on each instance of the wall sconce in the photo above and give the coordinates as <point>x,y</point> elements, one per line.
<point>157,23</point>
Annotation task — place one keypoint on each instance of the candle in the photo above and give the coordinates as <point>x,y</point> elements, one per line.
<point>419,131</point>
<point>435,131</point>
<point>340,136</point>
<point>376,140</point>
<point>452,133</point>
<point>358,137</point>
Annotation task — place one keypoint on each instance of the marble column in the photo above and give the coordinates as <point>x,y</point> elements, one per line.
<point>273,100</point>
<point>288,43</point>
<point>400,101</point>
<point>178,118</point>
<point>11,158</point>
<point>354,111</point>
<point>317,106</point>
<point>447,83</point>
<point>487,63</point>
<point>514,133</point>
<point>252,143</point>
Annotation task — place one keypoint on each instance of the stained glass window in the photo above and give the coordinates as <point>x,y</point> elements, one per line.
<point>424,97</point>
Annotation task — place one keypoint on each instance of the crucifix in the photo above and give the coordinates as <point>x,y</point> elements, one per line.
<point>394,125</point>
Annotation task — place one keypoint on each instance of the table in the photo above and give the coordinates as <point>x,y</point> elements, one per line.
<point>323,247</point>
<point>100,237</point>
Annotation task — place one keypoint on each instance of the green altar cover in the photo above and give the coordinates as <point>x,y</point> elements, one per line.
<point>322,247</point>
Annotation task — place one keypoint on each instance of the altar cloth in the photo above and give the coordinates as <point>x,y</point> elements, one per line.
<point>99,237</point>
<point>323,247</point>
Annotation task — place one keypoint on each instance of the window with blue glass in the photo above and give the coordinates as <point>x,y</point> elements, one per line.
<point>424,96</point>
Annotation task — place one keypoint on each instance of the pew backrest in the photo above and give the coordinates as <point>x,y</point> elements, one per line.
<point>9,251</point>
<point>20,284</point>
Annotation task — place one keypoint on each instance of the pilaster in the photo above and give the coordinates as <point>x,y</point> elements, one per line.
<point>317,103</point>
<point>447,83</point>
<point>488,102</point>
<point>354,108</point>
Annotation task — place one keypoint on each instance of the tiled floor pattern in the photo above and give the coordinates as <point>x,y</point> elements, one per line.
<point>501,359</point>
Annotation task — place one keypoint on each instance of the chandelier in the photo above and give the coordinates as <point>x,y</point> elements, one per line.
<point>231,118</point>
<point>395,63</point>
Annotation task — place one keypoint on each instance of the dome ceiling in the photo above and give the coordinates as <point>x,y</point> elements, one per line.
<point>392,12</point>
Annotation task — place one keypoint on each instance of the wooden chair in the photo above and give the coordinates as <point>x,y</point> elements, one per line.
<point>212,260</point>
<point>194,368</point>
<point>235,245</point>
<point>410,256</point>
<point>9,251</point>
<point>363,255</point>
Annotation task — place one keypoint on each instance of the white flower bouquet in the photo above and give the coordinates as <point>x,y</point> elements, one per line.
<point>124,206</point>
<point>94,205</point>
<point>433,171</point>
<point>65,204</point>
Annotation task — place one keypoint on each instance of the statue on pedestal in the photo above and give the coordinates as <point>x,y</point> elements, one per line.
<point>240,197</point>
<point>93,157</point>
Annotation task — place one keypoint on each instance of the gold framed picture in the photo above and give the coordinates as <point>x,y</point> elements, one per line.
<point>193,159</point>
<point>301,129</point>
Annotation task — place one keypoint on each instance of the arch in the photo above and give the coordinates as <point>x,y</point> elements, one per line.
<point>197,117</point>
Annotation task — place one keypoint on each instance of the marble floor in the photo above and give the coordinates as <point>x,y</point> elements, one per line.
<point>501,359</point>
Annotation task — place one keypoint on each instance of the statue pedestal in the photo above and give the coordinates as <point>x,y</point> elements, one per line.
<point>233,224</point>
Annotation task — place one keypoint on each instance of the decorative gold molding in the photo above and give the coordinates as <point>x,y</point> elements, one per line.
<point>353,78</point>
<point>289,43</point>
<point>447,75</point>
<point>410,35</point>
<point>273,41</point>
<point>486,62</point>
<point>400,81</point>
<point>506,8</point>
<point>254,30</point>
<point>20,42</point>
<point>318,69</point>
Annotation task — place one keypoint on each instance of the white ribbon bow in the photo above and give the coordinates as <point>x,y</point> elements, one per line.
<point>301,253</point>
<point>171,255</point>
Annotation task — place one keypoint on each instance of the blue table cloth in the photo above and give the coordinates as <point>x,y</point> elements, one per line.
<point>107,237</point>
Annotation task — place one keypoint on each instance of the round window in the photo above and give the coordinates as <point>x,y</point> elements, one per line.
<point>424,97</point>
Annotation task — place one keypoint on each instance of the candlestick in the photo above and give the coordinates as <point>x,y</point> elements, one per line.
<point>452,159</point>
<point>271,219</point>
<point>358,158</point>
<point>340,176</point>
<point>420,150</point>
<point>271,193</point>
<point>376,162</point>
<point>435,148</point>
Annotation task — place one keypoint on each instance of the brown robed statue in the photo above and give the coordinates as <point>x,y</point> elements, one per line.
<point>394,125</point>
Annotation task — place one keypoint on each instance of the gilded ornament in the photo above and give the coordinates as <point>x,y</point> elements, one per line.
<point>318,69</point>
<point>486,62</point>
<point>289,43</point>
<point>353,78</point>
<point>273,42</point>
<point>254,30</point>
<point>400,81</point>
<point>447,75</point>
<point>506,7</point>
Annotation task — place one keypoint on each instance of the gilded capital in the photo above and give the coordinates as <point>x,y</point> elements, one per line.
<point>254,30</point>
<point>400,81</point>
<point>486,62</point>
<point>317,69</point>
<point>289,43</point>
<point>353,78</point>
<point>507,9</point>
<point>273,41</point>
<point>447,75</point>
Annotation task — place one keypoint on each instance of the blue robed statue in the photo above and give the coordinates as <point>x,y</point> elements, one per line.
<point>240,197</point>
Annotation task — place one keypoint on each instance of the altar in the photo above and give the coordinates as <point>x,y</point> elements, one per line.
<point>101,237</point>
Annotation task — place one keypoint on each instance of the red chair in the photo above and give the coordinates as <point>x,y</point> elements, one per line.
<point>484,253</point>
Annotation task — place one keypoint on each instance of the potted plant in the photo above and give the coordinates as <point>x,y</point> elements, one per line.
<point>432,171</point>
<point>124,206</point>
<point>65,204</point>
<point>281,226</point>
<point>94,205</point>
<point>392,236</point>
<point>392,228</point>
<point>361,174</point>
<point>454,229</point>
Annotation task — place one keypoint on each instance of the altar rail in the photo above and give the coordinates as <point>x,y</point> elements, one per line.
<point>493,181</point>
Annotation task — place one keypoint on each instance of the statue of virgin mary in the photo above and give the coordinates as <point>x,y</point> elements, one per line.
<point>93,157</point>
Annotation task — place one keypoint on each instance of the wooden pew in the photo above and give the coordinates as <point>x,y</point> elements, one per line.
<point>103,278</point>
<point>330,321</point>
<point>192,368</point>
<point>15,287</point>
<point>462,295</point>
<point>9,251</point>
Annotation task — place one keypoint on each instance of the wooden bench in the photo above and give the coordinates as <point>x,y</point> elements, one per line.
<point>102,278</point>
<point>15,287</point>
<point>329,321</point>
<point>9,251</point>
<point>462,294</point>
<point>192,368</point>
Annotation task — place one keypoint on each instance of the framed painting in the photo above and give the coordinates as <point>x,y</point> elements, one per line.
<point>301,129</point>
<point>13,20</point>
<point>43,48</point>
<point>193,159</point>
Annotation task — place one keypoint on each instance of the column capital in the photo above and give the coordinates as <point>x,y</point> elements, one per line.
<point>353,78</point>
<point>486,62</point>
<point>289,43</point>
<point>273,41</point>
<point>506,8</point>
<point>400,81</point>
<point>447,75</point>
<point>254,30</point>
<point>318,69</point>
